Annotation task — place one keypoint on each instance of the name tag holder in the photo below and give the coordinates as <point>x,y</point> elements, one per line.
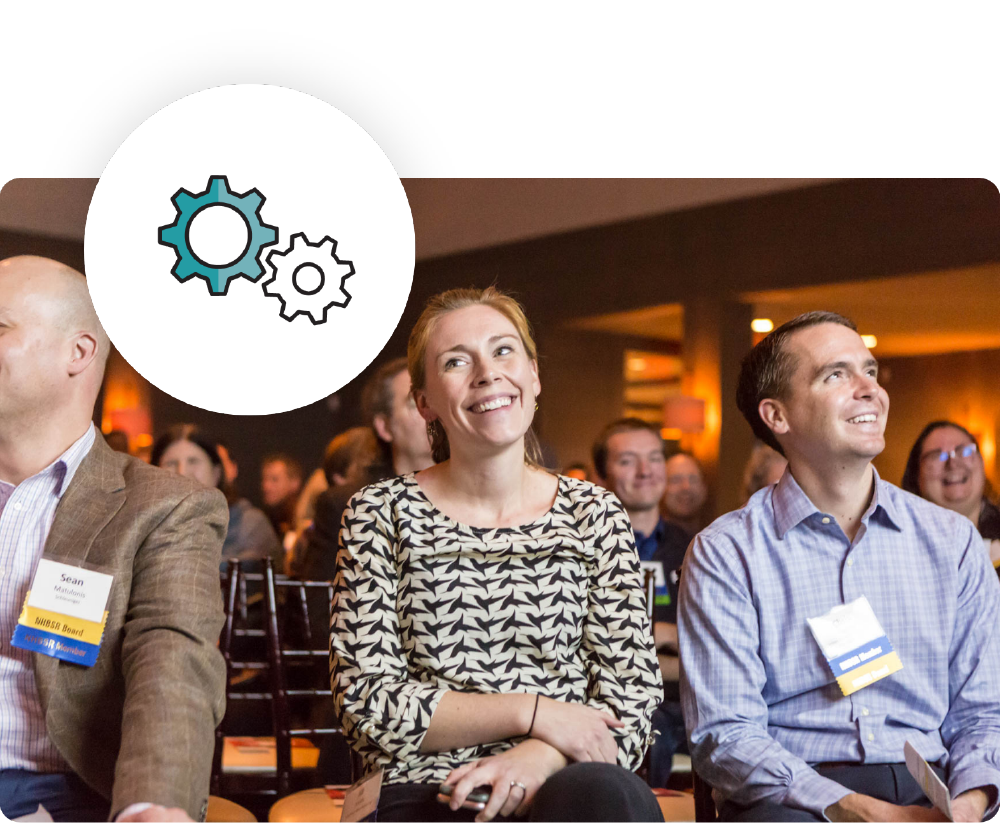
<point>855,646</point>
<point>65,611</point>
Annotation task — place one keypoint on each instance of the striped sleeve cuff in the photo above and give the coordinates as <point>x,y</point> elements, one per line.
<point>972,778</point>
<point>811,791</point>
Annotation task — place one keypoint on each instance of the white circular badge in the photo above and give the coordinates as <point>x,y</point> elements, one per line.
<point>249,249</point>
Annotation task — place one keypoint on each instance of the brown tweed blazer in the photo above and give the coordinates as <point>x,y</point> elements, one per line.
<point>138,725</point>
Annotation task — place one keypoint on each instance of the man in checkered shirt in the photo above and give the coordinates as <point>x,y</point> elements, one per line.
<point>770,729</point>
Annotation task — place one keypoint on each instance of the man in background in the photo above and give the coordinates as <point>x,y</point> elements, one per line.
<point>686,493</point>
<point>280,483</point>
<point>629,461</point>
<point>403,446</point>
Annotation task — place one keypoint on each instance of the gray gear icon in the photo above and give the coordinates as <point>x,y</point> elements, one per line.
<point>288,269</point>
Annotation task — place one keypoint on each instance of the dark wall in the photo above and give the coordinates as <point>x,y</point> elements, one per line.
<point>842,231</point>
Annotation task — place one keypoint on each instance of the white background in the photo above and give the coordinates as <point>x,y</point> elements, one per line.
<point>321,175</point>
<point>531,88</point>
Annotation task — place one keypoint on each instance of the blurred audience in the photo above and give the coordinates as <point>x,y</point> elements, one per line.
<point>765,468</point>
<point>402,446</point>
<point>280,483</point>
<point>188,451</point>
<point>351,461</point>
<point>629,459</point>
<point>351,457</point>
<point>505,631</point>
<point>686,493</point>
<point>945,466</point>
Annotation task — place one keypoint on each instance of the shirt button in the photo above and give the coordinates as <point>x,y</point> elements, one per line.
<point>17,506</point>
<point>871,736</point>
<point>864,711</point>
<point>826,520</point>
<point>850,561</point>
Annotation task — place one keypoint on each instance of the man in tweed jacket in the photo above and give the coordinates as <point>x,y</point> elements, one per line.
<point>131,736</point>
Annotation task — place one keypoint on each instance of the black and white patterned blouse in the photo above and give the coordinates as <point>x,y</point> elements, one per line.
<point>424,605</point>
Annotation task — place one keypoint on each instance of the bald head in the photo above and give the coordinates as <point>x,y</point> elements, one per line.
<point>58,294</point>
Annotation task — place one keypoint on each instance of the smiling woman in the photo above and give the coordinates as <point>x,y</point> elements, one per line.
<point>946,467</point>
<point>484,306</point>
<point>488,620</point>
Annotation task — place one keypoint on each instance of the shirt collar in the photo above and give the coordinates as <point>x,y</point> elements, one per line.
<point>657,532</point>
<point>71,459</point>
<point>792,506</point>
<point>65,466</point>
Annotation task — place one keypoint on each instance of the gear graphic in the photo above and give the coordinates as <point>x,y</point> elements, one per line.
<point>288,267</point>
<point>177,235</point>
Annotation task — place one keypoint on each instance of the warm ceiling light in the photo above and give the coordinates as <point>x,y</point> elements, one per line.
<point>637,364</point>
<point>870,341</point>
<point>762,325</point>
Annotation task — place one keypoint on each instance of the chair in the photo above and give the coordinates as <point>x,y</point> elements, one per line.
<point>298,615</point>
<point>221,809</point>
<point>243,648</point>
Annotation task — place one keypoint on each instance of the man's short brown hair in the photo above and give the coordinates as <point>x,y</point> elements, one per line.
<point>767,370</point>
<point>292,466</point>
<point>377,397</point>
<point>600,449</point>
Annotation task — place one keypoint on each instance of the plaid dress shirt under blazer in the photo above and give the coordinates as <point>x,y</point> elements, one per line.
<point>139,725</point>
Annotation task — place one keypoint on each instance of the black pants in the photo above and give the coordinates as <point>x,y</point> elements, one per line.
<point>589,791</point>
<point>887,782</point>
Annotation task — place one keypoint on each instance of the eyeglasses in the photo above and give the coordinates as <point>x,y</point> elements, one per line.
<point>938,457</point>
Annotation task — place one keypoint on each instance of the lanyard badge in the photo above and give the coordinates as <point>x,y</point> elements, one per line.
<point>64,613</point>
<point>855,645</point>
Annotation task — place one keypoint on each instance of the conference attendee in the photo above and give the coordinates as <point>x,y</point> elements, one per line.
<point>123,726</point>
<point>836,618</point>
<point>764,468</point>
<point>387,404</point>
<point>280,484</point>
<point>402,445</point>
<point>347,466</point>
<point>686,492</point>
<point>488,623</point>
<point>629,458</point>
<point>945,466</point>
<point>188,451</point>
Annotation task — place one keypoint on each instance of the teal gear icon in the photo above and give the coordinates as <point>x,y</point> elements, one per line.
<point>177,235</point>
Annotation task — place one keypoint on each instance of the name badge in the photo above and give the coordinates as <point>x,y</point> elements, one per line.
<point>64,613</point>
<point>661,596</point>
<point>361,798</point>
<point>855,645</point>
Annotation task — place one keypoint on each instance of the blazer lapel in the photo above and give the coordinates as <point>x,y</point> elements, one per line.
<point>93,497</point>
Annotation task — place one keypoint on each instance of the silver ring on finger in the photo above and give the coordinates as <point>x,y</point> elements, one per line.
<point>518,784</point>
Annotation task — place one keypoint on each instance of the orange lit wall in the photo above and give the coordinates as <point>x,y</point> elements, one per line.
<point>959,386</point>
<point>126,402</point>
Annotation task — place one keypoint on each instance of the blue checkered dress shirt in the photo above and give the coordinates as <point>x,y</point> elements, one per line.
<point>759,700</point>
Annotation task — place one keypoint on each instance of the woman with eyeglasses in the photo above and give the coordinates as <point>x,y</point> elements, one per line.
<point>946,467</point>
